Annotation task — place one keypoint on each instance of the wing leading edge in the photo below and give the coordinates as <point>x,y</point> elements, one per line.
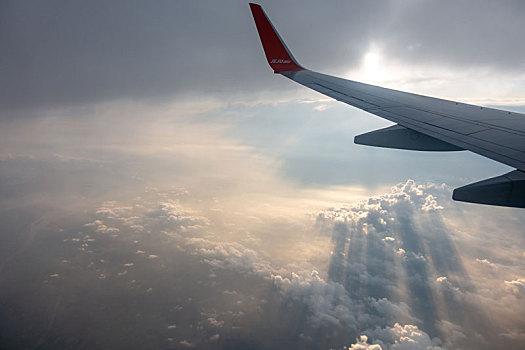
<point>423,123</point>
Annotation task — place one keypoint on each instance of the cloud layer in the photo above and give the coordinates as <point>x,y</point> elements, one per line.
<point>102,51</point>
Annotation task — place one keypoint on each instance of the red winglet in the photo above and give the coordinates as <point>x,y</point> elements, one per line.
<point>277,54</point>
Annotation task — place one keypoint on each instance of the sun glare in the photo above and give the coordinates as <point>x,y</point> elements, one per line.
<point>371,60</point>
<point>370,69</point>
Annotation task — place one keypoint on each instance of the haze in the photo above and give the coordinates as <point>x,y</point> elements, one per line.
<point>161,188</point>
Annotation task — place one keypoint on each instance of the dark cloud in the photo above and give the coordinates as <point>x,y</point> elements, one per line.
<point>464,33</point>
<point>87,52</point>
<point>56,53</point>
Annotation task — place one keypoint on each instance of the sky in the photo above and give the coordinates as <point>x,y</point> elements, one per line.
<point>161,188</point>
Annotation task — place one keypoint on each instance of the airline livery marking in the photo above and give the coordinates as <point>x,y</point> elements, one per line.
<point>275,60</point>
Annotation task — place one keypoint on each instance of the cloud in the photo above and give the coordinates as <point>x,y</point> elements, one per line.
<point>362,344</point>
<point>171,49</point>
<point>110,210</point>
<point>328,302</point>
<point>486,263</point>
<point>517,287</point>
<point>454,333</point>
<point>407,337</point>
<point>232,256</point>
<point>385,222</point>
<point>94,223</point>
<point>443,281</point>
<point>215,323</point>
<point>139,56</point>
<point>396,246</point>
<point>392,262</point>
<point>321,107</point>
<point>187,344</point>
<point>181,218</point>
<point>107,229</point>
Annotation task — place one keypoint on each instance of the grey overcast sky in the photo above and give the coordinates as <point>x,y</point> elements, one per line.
<point>161,188</point>
<point>57,53</point>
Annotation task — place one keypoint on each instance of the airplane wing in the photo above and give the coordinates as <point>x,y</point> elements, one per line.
<point>422,123</point>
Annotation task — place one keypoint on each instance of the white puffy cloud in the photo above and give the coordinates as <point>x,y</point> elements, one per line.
<point>94,223</point>
<point>110,210</point>
<point>399,311</point>
<point>232,256</point>
<point>186,344</point>
<point>385,248</point>
<point>107,229</point>
<point>215,323</point>
<point>362,344</point>
<point>389,265</point>
<point>328,301</point>
<point>379,211</point>
<point>486,262</point>
<point>174,214</point>
<point>407,337</point>
<point>517,287</point>
<point>445,283</point>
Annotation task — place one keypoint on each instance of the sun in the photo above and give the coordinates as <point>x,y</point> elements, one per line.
<point>371,67</point>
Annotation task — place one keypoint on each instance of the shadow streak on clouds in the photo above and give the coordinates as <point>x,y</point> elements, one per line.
<point>395,279</point>
<point>394,276</point>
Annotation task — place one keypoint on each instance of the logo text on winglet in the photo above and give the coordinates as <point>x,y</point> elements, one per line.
<point>279,60</point>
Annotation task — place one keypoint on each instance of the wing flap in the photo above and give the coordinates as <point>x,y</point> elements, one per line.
<point>399,137</point>
<point>506,190</point>
<point>504,138</point>
<point>455,125</point>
